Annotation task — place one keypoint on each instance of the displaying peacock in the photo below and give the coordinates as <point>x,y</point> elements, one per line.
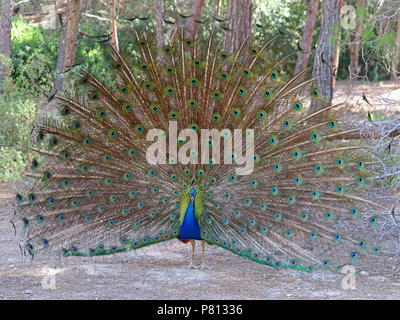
<point>272,180</point>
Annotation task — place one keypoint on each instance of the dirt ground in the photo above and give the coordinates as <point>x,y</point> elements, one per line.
<point>160,271</point>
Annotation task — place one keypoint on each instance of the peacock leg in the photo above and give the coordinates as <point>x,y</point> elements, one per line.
<point>203,264</point>
<point>191,265</point>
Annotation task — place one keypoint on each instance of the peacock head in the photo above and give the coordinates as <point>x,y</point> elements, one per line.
<point>192,194</point>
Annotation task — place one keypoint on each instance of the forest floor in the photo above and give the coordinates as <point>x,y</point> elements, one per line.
<point>383,96</point>
<point>160,271</point>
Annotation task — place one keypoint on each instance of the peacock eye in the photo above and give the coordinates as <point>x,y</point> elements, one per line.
<point>253,51</point>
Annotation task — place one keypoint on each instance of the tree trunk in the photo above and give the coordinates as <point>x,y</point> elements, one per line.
<point>396,57</point>
<point>158,6</point>
<point>5,36</point>
<point>66,55</point>
<point>37,9</point>
<point>308,31</point>
<point>240,14</point>
<point>113,21</point>
<point>191,25</point>
<point>355,39</point>
<point>327,52</point>
<point>61,9</point>
<point>216,7</point>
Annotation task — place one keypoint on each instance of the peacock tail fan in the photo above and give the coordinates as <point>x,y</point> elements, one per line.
<point>308,198</point>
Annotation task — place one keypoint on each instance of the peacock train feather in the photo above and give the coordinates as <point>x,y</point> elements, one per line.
<point>314,199</point>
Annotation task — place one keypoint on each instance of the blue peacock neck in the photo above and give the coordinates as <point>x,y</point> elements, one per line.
<point>190,228</point>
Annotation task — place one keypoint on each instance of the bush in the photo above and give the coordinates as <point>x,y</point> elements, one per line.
<point>34,57</point>
<point>17,113</point>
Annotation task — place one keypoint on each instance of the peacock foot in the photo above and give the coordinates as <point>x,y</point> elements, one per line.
<point>204,266</point>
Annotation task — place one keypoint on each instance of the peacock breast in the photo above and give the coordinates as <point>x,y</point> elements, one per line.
<point>190,228</point>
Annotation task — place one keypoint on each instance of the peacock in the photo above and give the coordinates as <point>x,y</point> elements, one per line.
<point>195,143</point>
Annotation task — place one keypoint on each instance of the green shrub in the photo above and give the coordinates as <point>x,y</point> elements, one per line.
<point>34,57</point>
<point>17,114</point>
